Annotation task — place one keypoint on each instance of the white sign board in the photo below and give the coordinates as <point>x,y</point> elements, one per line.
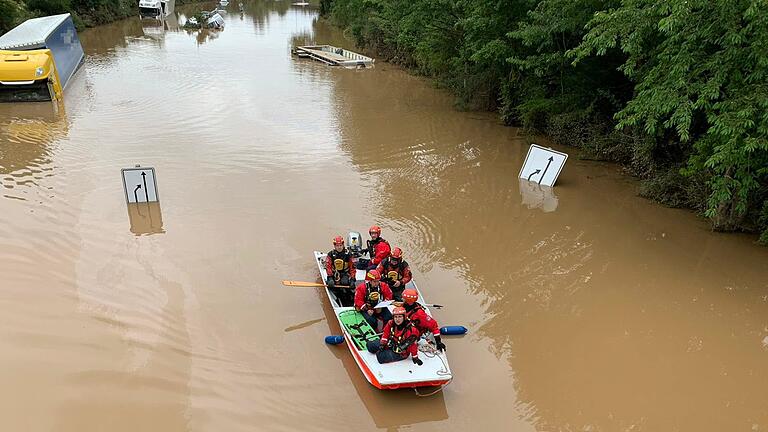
<point>542,165</point>
<point>140,185</point>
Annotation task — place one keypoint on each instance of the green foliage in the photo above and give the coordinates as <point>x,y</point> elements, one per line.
<point>671,188</point>
<point>701,69</point>
<point>49,7</point>
<point>94,12</point>
<point>763,224</point>
<point>325,7</point>
<point>10,14</point>
<point>84,12</point>
<point>422,34</point>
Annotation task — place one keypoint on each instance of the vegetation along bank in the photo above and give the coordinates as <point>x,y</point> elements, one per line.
<point>675,90</point>
<point>85,13</point>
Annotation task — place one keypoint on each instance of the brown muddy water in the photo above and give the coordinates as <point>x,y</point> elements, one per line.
<point>589,309</point>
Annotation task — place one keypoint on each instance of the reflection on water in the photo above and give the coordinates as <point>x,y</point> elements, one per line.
<point>608,313</point>
<point>105,42</point>
<point>204,35</point>
<point>27,133</point>
<point>156,29</point>
<point>535,195</point>
<point>145,218</point>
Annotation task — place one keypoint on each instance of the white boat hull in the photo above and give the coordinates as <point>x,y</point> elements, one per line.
<point>403,374</point>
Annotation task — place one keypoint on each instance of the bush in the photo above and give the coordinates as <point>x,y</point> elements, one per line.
<point>49,7</point>
<point>10,14</point>
<point>668,187</point>
<point>763,221</point>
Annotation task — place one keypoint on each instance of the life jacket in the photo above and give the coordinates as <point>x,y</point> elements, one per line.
<point>372,245</point>
<point>391,272</point>
<point>371,289</point>
<point>339,260</point>
<point>402,338</point>
<point>409,313</point>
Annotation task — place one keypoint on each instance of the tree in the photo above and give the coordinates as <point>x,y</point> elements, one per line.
<point>49,7</point>
<point>10,13</point>
<point>701,69</point>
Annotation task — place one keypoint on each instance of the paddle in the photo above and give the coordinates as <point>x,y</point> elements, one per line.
<point>436,306</point>
<point>309,284</point>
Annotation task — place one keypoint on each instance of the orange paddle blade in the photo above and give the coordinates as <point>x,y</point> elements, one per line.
<point>302,284</point>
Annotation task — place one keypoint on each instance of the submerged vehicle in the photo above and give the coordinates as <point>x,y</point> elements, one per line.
<point>156,8</point>
<point>215,21</point>
<point>38,58</point>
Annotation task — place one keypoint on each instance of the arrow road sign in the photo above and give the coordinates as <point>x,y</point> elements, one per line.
<point>542,165</point>
<point>146,192</point>
<point>140,179</point>
<point>549,161</point>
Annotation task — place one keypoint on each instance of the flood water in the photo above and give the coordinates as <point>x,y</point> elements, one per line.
<point>588,308</point>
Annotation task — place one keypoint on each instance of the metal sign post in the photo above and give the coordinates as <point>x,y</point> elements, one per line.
<point>542,165</point>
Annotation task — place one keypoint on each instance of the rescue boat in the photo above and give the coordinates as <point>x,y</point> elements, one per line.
<point>357,332</point>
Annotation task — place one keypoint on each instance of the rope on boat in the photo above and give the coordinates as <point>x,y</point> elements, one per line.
<point>430,351</point>
<point>416,390</point>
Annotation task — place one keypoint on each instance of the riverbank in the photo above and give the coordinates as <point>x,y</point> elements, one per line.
<point>632,91</point>
<point>85,13</point>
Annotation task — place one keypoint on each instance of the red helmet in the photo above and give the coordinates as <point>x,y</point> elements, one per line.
<point>372,275</point>
<point>397,253</point>
<point>410,295</point>
<point>398,311</point>
<point>374,229</point>
<point>338,240</point>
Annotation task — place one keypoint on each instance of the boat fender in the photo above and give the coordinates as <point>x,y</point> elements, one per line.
<point>452,330</point>
<point>334,339</point>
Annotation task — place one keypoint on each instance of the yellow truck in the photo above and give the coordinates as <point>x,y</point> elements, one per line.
<point>38,58</point>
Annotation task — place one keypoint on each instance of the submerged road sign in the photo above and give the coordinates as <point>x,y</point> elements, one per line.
<point>542,165</point>
<point>140,185</point>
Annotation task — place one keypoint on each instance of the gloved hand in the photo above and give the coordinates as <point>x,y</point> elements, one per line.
<point>440,344</point>
<point>330,282</point>
<point>417,361</point>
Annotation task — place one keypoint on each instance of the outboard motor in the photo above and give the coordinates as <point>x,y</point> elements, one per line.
<point>355,243</point>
